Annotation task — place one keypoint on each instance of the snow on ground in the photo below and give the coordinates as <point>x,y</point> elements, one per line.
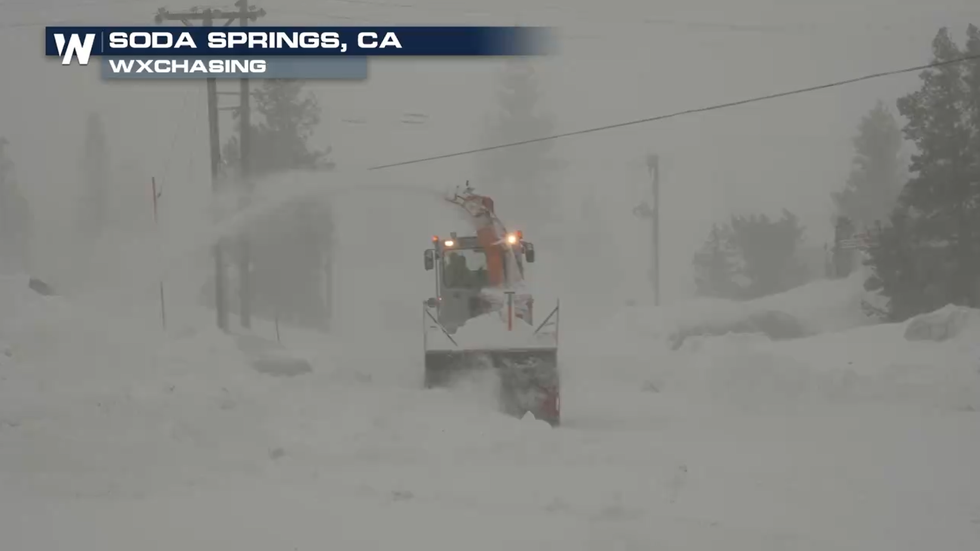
<point>115,436</point>
<point>820,306</point>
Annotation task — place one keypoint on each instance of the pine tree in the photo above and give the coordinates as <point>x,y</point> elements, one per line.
<point>907,270</point>
<point>15,218</point>
<point>929,255</point>
<point>521,174</point>
<point>714,265</point>
<point>280,140</point>
<point>290,246</point>
<point>767,250</point>
<point>877,175</point>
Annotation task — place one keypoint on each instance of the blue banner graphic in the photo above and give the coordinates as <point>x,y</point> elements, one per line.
<point>81,43</point>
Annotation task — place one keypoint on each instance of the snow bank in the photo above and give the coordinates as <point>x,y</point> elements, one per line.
<point>818,307</point>
<point>773,324</point>
<point>944,324</point>
<point>874,365</point>
<point>846,359</point>
<point>114,436</point>
<point>93,405</point>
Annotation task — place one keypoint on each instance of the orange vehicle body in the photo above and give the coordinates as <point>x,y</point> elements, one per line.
<point>505,270</point>
<point>528,373</point>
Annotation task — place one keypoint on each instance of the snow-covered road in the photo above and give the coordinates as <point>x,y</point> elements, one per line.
<point>115,435</point>
<point>730,443</point>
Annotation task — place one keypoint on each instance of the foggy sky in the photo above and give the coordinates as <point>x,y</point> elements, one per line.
<point>619,60</point>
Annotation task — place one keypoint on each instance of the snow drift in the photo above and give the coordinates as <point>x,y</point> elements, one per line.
<point>818,307</point>
<point>115,435</point>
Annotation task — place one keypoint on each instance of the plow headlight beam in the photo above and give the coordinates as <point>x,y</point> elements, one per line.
<point>449,243</point>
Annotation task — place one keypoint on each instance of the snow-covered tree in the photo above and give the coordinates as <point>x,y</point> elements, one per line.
<point>521,177</point>
<point>288,118</point>
<point>95,174</point>
<point>928,255</point>
<point>15,217</point>
<point>878,174</point>
<point>715,265</point>
<point>290,247</point>
<point>750,257</point>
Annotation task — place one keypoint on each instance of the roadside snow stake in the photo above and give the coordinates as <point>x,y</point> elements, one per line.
<point>510,310</point>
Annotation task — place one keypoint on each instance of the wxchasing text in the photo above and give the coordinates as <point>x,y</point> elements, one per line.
<point>212,66</point>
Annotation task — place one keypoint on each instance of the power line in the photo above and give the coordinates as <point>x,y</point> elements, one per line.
<point>715,107</point>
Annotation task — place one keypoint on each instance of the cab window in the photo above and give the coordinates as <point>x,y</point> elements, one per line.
<point>465,269</point>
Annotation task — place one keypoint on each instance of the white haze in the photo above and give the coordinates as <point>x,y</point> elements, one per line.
<point>621,61</point>
<point>117,435</point>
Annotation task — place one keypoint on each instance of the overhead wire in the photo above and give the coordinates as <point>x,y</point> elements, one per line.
<point>759,28</point>
<point>705,109</point>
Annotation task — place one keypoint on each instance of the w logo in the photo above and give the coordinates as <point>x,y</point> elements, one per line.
<point>75,46</point>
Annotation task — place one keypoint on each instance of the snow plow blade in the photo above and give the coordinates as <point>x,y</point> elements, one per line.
<point>527,373</point>
<point>528,378</point>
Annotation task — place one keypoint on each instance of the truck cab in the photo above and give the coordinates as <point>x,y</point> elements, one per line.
<point>465,271</point>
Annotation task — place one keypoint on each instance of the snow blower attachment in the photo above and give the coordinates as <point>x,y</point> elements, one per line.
<point>481,319</point>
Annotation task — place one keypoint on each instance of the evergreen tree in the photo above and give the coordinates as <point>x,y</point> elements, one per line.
<point>15,218</point>
<point>522,174</point>
<point>767,250</point>
<point>714,265</point>
<point>280,140</point>
<point>750,257</point>
<point>908,271</point>
<point>877,175</point>
<point>929,254</point>
<point>290,245</point>
<point>95,172</point>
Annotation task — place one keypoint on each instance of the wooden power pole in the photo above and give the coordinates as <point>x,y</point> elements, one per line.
<point>654,164</point>
<point>207,18</point>
<point>245,120</point>
<point>653,213</point>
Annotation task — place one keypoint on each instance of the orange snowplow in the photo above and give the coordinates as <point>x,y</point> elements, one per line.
<point>482,316</point>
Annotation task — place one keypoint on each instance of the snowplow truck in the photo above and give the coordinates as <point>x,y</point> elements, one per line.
<point>481,317</point>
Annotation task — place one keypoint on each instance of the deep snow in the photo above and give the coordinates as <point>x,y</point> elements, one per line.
<point>116,436</point>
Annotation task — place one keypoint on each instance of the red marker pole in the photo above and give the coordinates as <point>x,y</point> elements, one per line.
<point>510,310</point>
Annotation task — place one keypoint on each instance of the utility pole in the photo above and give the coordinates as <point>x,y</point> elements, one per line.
<point>4,163</point>
<point>207,18</point>
<point>245,120</point>
<point>653,162</point>
<point>645,211</point>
